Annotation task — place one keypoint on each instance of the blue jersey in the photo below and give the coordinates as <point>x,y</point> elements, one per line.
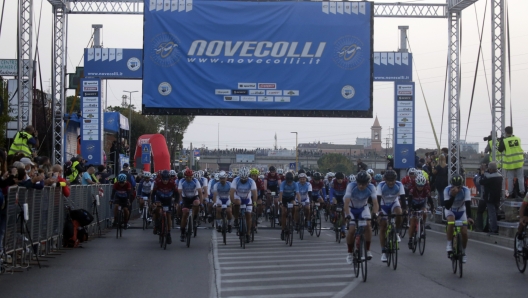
<point>222,191</point>
<point>289,190</point>
<point>189,189</point>
<point>243,190</point>
<point>337,190</point>
<point>388,194</point>
<point>304,188</point>
<point>359,198</point>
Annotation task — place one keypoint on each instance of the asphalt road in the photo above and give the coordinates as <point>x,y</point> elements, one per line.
<point>135,266</point>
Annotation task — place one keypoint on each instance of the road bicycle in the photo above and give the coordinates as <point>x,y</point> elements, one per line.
<point>223,215</point>
<point>521,256</point>
<point>458,250</point>
<point>191,227</point>
<point>338,222</point>
<point>242,226</point>
<point>145,213</point>
<point>271,211</point>
<point>288,237</point>
<point>405,225</point>
<point>254,223</point>
<point>391,241</point>
<point>418,237</point>
<point>120,221</point>
<point>302,221</point>
<point>359,253</point>
<point>315,220</point>
<point>163,226</point>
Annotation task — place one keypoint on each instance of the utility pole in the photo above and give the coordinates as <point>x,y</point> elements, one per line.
<point>130,121</point>
<point>296,151</point>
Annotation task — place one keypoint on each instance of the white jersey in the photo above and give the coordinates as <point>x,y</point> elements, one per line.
<point>243,190</point>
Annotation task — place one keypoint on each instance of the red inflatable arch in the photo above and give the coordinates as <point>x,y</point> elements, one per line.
<point>160,152</point>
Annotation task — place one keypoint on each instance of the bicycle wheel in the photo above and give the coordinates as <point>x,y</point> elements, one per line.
<point>520,258</point>
<point>421,238</point>
<point>290,228</point>
<point>356,258</point>
<point>253,226</point>
<point>317,226</point>
<point>454,253</point>
<point>224,229</point>
<point>363,257</point>
<point>195,228</point>
<point>189,229</point>
<point>243,231</point>
<point>338,229</point>
<point>272,215</point>
<point>144,215</point>
<point>460,254</point>
<point>165,231</point>
<point>394,250</point>
<point>375,227</point>
<point>301,223</point>
<point>312,224</point>
<point>405,226</point>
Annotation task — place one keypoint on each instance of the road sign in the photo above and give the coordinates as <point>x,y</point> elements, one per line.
<point>145,153</point>
<point>292,166</point>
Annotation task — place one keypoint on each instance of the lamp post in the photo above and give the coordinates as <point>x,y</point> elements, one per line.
<point>130,120</point>
<point>296,150</point>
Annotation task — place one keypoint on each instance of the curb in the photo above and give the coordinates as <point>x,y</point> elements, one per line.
<point>483,237</point>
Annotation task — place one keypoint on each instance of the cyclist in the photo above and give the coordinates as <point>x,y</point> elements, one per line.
<point>408,180</point>
<point>318,191</point>
<point>280,172</point>
<point>145,188</point>
<point>163,195</point>
<point>305,193</point>
<point>357,196</point>
<point>419,194</point>
<point>121,193</point>
<point>371,173</point>
<point>289,192</point>
<point>337,192</point>
<point>328,180</point>
<point>271,183</point>
<point>254,174</point>
<point>221,193</point>
<point>457,200</point>
<point>243,191</point>
<point>390,192</point>
<point>523,215</point>
<point>191,196</point>
<point>211,202</point>
<point>198,175</point>
<point>377,179</point>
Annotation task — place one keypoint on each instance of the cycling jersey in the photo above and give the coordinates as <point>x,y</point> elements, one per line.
<point>318,189</point>
<point>359,198</point>
<point>243,190</point>
<point>121,193</point>
<point>272,181</point>
<point>390,195</point>
<point>210,187</point>
<point>164,193</point>
<point>222,193</point>
<point>145,187</point>
<point>419,197</point>
<point>304,189</point>
<point>204,182</point>
<point>459,203</point>
<point>189,188</point>
<point>337,190</point>
<point>260,184</point>
<point>407,182</point>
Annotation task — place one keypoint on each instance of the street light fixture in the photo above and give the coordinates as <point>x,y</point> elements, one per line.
<point>130,121</point>
<point>296,150</point>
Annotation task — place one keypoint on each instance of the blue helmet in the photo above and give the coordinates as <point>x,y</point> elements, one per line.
<point>378,177</point>
<point>122,178</point>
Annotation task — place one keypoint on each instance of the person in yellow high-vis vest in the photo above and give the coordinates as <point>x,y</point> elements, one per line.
<point>513,159</point>
<point>23,142</point>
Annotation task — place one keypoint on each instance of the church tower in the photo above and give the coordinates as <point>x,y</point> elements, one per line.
<point>376,136</point>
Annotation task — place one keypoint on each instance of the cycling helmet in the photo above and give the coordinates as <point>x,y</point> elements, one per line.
<point>339,175</point>
<point>154,176</point>
<point>201,173</point>
<point>420,181</point>
<point>456,180</point>
<point>122,178</point>
<point>370,172</point>
<point>289,176</point>
<point>301,171</point>
<point>362,177</point>
<point>411,171</point>
<point>317,176</point>
<point>180,175</point>
<point>222,174</point>
<point>280,171</point>
<point>330,174</point>
<point>261,177</point>
<point>254,171</point>
<point>147,175</point>
<point>243,173</point>
<point>302,175</point>
<point>389,156</point>
<point>390,175</point>
<point>197,175</point>
<point>272,169</point>
<point>188,173</point>
<point>230,175</point>
<point>172,173</point>
<point>216,176</point>
<point>352,178</point>
<point>165,175</point>
<point>378,177</point>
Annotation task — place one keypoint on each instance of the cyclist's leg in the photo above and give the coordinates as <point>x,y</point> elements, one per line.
<point>351,234</point>
<point>397,210</point>
<point>127,213</point>
<point>116,204</point>
<point>307,213</point>
<point>450,216</point>
<point>195,207</point>
<point>382,224</point>
<point>236,209</point>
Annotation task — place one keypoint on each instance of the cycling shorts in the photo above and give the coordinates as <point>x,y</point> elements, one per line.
<point>339,200</point>
<point>273,188</point>
<point>221,201</point>
<point>416,206</point>
<point>188,202</point>
<point>286,200</point>
<point>385,208</point>
<point>123,202</point>
<point>359,213</point>
<point>459,215</point>
<point>165,201</point>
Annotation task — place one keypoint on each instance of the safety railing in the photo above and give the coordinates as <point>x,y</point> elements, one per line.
<point>35,220</point>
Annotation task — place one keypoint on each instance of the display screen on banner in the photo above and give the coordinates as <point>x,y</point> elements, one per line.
<point>92,120</point>
<point>107,63</point>
<point>258,58</point>
<point>404,120</point>
<point>392,67</point>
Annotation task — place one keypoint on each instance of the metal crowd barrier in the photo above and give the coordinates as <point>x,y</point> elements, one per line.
<point>41,233</point>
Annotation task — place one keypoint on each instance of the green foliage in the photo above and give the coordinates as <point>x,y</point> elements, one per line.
<point>176,127</point>
<point>74,101</point>
<point>336,163</point>
<point>4,116</point>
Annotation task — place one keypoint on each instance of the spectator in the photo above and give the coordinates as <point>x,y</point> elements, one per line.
<point>441,181</point>
<point>130,178</point>
<point>492,182</point>
<point>102,174</point>
<point>23,142</point>
<point>77,168</point>
<point>44,163</point>
<point>513,159</point>
<point>361,166</point>
<point>5,178</point>
<point>88,178</point>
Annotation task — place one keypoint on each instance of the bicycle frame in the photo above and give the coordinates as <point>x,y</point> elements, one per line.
<point>458,248</point>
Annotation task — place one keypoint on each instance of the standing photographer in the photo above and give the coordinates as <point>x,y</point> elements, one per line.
<point>23,142</point>
<point>513,160</point>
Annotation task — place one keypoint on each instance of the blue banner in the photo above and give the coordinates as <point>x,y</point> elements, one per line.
<point>404,120</point>
<point>392,67</point>
<point>92,121</point>
<point>273,58</point>
<point>145,153</point>
<point>108,63</point>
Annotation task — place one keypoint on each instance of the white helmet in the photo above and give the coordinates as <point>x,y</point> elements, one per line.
<point>222,174</point>
<point>411,171</point>
<point>420,180</point>
<point>217,176</point>
<point>280,171</point>
<point>197,175</point>
<point>370,172</point>
<point>147,175</point>
<point>172,173</point>
<point>243,173</point>
<point>352,178</point>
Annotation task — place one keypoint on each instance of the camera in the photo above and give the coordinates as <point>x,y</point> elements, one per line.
<point>488,138</point>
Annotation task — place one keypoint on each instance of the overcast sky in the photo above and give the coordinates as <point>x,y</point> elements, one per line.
<point>428,39</point>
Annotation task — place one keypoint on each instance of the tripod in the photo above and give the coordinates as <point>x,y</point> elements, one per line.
<point>24,228</point>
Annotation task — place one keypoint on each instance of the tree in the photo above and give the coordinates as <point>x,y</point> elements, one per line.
<point>74,101</point>
<point>4,113</point>
<point>176,127</point>
<point>336,163</point>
